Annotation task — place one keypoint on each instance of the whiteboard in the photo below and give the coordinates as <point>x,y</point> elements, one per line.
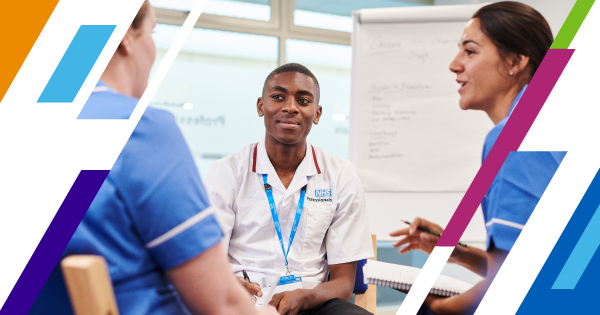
<point>408,133</point>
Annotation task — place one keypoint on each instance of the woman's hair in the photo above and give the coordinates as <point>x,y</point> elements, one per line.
<point>516,28</point>
<point>139,18</point>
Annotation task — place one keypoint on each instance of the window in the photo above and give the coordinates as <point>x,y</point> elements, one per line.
<point>251,9</point>
<point>212,88</point>
<point>336,15</point>
<point>330,63</point>
<point>213,85</point>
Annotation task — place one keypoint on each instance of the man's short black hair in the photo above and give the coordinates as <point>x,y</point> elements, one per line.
<point>292,67</point>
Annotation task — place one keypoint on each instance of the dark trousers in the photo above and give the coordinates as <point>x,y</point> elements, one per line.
<point>336,306</point>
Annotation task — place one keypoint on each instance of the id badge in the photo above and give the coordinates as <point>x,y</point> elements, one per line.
<point>288,283</point>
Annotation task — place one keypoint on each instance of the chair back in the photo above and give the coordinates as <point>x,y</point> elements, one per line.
<point>367,299</point>
<point>89,286</point>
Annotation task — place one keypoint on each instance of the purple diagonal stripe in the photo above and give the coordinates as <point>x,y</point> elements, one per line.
<point>53,242</point>
<point>510,139</point>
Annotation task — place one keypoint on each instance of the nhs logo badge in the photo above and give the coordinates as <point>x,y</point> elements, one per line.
<point>323,193</point>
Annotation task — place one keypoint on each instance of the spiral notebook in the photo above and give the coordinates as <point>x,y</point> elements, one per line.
<point>402,277</point>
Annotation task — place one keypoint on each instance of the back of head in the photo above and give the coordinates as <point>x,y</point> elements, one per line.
<point>292,67</point>
<point>516,28</point>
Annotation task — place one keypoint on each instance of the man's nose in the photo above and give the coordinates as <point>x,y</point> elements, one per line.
<point>290,105</point>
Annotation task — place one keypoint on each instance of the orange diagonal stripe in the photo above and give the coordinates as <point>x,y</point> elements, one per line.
<point>21,22</point>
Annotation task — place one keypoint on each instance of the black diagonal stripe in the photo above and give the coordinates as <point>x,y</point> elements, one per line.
<point>168,60</point>
<point>427,277</point>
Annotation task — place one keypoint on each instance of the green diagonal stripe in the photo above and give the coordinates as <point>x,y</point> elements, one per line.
<point>571,26</point>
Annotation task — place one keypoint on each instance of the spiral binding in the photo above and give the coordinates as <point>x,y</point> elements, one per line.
<point>407,286</point>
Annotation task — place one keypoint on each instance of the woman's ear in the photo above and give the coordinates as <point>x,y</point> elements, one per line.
<point>518,64</point>
<point>259,107</point>
<point>125,46</point>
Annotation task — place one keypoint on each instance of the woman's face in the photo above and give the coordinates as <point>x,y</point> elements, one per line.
<point>480,70</point>
<point>143,51</point>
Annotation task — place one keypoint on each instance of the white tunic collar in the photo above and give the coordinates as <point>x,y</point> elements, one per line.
<point>309,166</point>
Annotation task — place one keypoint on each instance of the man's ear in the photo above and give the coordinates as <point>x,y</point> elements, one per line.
<point>318,116</point>
<point>519,64</point>
<point>259,107</point>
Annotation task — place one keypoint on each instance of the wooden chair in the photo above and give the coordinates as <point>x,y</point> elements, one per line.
<point>368,300</point>
<point>91,292</point>
<point>89,285</point>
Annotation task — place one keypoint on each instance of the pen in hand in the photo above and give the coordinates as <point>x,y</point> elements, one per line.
<point>426,230</point>
<point>248,279</point>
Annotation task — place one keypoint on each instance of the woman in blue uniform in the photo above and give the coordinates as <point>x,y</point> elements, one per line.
<point>499,51</point>
<point>151,218</point>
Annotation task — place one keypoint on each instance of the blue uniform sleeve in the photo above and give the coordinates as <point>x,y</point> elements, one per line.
<point>515,192</point>
<point>160,185</point>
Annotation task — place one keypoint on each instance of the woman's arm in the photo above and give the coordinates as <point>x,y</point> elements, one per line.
<point>472,258</point>
<point>468,302</point>
<point>207,286</point>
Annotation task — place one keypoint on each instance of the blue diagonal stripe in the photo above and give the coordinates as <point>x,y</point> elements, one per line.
<point>76,63</point>
<point>580,257</point>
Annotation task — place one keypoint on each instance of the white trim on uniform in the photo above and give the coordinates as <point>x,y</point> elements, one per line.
<point>102,88</point>
<point>504,222</point>
<point>181,227</point>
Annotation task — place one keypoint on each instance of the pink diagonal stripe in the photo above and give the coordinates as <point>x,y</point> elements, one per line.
<point>510,139</point>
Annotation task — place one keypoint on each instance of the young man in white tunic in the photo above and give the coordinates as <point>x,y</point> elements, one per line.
<point>330,213</point>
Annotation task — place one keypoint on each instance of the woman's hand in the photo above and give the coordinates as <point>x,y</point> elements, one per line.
<point>417,239</point>
<point>252,288</point>
<point>268,310</point>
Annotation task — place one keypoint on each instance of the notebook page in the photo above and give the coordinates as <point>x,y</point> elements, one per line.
<point>399,276</point>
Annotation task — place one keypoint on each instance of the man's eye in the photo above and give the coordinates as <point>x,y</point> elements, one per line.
<point>304,101</point>
<point>277,97</point>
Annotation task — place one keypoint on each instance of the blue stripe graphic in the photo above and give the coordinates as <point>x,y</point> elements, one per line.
<point>76,63</point>
<point>581,256</point>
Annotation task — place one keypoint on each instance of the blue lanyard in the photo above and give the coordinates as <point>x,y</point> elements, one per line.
<point>276,218</point>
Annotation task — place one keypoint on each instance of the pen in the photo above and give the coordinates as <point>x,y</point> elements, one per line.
<point>248,279</point>
<point>426,230</point>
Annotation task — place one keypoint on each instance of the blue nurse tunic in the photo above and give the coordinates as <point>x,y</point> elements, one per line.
<point>149,215</point>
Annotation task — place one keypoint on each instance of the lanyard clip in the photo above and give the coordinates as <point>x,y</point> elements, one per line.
<point>267,187</point>
<point>288,271</point>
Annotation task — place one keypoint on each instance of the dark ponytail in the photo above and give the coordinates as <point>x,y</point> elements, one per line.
<point>516,28</point>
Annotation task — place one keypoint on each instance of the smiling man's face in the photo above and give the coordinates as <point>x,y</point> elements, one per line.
<point>290,106</point>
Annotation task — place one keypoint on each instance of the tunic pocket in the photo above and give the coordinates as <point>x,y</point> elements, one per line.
<point>318,220</point>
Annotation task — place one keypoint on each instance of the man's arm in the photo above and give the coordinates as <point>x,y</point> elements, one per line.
<point>468,302</point>
<point>207,286</point>
<point>472,258</point>
<point>340,285</point>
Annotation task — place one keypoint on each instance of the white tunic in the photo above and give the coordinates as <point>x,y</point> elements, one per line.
<point>333,222</point>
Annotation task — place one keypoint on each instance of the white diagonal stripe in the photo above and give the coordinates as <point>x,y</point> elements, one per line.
<point>505,222</point>
<point>181,227</point>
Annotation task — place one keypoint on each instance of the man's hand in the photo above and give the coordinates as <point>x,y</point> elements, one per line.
<point>289,302</point>
<point>252,288</point>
